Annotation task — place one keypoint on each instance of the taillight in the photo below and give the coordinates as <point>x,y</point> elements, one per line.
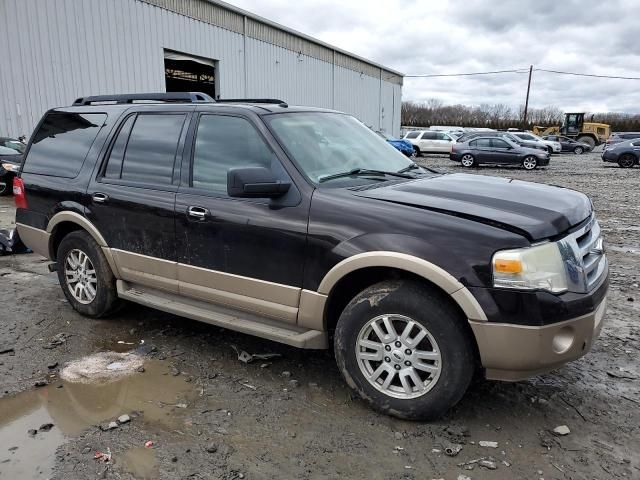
<point>18,193</point>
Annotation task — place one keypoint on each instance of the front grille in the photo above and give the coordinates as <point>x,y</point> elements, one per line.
<point>584,257</point>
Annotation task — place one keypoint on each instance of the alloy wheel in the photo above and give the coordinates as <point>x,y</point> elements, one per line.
<point>626,161</point>
<point>578,150</point>
<point>3,187</point>
<point>398,356</point>
<point>529,163</point>
<point>467,161</point>
<point>80,276</point>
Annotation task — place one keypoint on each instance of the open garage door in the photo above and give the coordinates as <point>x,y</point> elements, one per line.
<point>188,73</point>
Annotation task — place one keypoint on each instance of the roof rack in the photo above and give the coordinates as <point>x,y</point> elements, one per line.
<point>274,101</point>
<point>177,97</point>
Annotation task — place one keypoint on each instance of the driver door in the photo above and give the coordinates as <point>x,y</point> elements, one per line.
<point>246,254</point>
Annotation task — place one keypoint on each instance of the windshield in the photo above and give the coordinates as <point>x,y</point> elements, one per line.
<point>11,147</point>
<point>324,144</point>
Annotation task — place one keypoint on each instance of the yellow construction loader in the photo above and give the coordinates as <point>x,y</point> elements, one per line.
<point>575,127</point>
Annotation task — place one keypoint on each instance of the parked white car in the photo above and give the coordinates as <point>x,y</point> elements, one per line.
<point>552,147</point>
<point>430,141</point>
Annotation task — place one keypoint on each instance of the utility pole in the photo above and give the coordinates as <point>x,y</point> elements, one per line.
<point>526,103</point>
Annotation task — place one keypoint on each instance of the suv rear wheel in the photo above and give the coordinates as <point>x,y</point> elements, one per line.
<point>85,276</point>
<point>403,348</point>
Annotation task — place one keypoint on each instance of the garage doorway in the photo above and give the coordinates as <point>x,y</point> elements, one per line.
<point>188,73</point>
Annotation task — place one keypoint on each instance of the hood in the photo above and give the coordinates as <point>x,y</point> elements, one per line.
<point>534,210</point>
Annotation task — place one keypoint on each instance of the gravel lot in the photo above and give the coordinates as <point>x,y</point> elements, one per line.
<point>212,416</point>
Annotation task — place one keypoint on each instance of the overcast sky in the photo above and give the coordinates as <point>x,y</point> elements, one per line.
<point>458,36</point>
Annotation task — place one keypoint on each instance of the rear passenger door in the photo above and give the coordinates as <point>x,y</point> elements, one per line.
<point>427,141</point>
<point>131,199</point>
<point>482,150</point>
<point>246,254</point>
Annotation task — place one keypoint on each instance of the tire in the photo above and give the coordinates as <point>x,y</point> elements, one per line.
<point>399,302</point>
<point>578,150</point>
<point>6,185</point>
<point>70,253</point>
<point>530,162</point>
<point>588,140</point>
<point>468,160</point>
<point>627,160</point>
<point>416,151</point>
<point>550,150</point>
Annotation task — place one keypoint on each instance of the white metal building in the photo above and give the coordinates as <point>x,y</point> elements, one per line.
<point>55,51</point>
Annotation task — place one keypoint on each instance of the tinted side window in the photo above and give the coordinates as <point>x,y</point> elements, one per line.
<point>151,150</point>
<point>412,135</point>
<point>499,143</point>
<point>114,166</point>
<point>429,136</point>
<point>224,142</point>
<point>62,142</point>
<point>483,142</point>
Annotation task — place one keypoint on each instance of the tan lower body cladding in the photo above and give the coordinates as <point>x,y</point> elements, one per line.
<point>515,352</point>
<point>259,297</point>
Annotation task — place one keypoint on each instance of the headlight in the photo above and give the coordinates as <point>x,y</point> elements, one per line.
<point>539,267</point>
<point>10,167</point>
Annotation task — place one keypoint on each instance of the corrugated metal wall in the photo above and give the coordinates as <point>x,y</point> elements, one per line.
<point>54,52</point>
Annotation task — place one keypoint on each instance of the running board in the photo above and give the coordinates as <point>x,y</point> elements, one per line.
<point>223,317</point>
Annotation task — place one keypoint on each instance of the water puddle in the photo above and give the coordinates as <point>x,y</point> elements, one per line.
<point>158,395</point>
<point>141,462</point>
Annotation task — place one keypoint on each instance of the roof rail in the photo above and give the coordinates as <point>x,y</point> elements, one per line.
<point>178,97</point>
<point>252,100</point>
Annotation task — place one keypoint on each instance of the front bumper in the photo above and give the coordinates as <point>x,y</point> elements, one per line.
<point>543,161</point>
<point>516,352</point>
<point>609,156</point>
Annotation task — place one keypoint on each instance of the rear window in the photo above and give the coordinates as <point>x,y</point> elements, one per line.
<point>62,142</point>
<point>145,149</point>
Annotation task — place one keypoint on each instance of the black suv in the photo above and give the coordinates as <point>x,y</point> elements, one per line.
<point>301,225</point>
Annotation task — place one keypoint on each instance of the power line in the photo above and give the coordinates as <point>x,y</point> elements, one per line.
<point>584,74</point>
<point>522,70</point>
<point>519,70</point>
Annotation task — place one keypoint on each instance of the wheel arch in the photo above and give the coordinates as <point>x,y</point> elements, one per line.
<point>354,274</point>
<point>63,223</point>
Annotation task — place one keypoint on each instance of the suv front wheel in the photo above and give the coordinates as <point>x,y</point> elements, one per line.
<point>403,348</point>
<point>85,276</point>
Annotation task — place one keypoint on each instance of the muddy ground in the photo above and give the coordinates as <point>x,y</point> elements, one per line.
<point>212,416</point>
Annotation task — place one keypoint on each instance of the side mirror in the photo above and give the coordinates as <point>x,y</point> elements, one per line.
<point>254,182</point>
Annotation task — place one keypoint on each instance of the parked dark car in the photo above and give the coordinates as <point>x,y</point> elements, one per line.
<point>625,154</point>
<point>405,147</point>
<point>301,225</point>
<point>494,150</point>
<point>569,144</point>
<point>618,137</point>
<point>11,152</point>
<point>506,135</point>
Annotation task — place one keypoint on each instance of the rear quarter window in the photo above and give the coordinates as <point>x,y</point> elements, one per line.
<point>62,142</point>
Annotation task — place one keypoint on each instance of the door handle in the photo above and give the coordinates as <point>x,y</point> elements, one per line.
<point>99,197</point>
<point>197,212</point>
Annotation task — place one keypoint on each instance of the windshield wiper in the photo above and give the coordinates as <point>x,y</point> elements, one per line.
<point>413,166</point>
<point>363,171</point>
